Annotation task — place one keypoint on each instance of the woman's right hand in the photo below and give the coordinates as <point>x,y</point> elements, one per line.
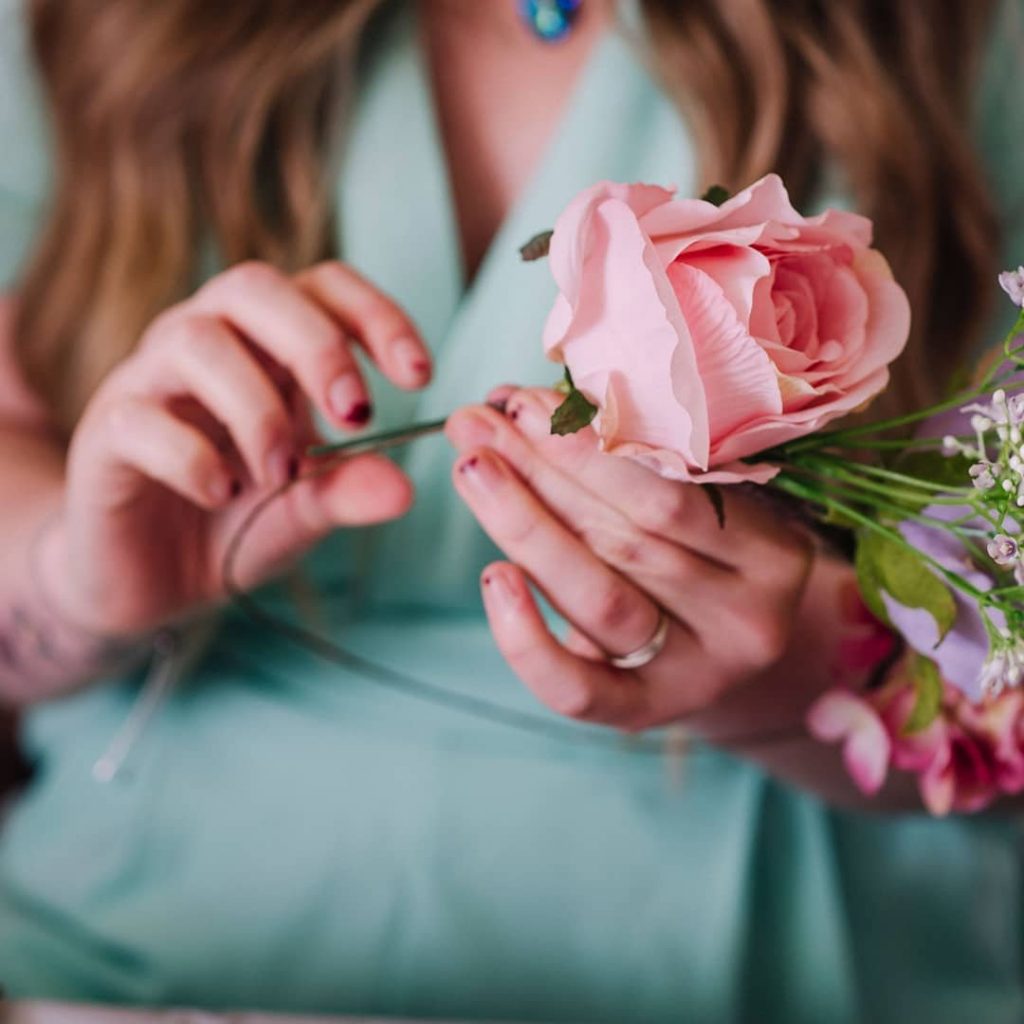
<point>208,415</point>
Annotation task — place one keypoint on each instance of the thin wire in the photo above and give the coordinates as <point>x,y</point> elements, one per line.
<point>392,678</point>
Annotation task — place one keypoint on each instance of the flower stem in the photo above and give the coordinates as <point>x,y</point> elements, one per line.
<point>377,442</point>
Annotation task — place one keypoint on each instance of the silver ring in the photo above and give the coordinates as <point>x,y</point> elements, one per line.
<point>649,651</point>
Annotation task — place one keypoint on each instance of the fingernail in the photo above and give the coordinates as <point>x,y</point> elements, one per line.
<point>499,587</point>
<point>482,472</point>
<point>409,354</point>
<point>236,488</point>
<point>359,414</point>
<point>293,468</point>
<point>278,462</point>
<point>527,416</point>
<point>347,399</point>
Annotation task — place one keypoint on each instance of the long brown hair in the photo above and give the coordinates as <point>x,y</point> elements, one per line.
<point>185,125</point>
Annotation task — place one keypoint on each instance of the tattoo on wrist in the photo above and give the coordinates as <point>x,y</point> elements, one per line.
<point>41,645</point>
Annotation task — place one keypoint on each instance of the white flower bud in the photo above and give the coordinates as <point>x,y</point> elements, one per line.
<point>1012,282</point>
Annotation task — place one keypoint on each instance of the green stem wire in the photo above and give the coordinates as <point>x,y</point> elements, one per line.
<point>375,442</point>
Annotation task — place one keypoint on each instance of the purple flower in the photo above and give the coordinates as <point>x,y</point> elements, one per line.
<point>1003,550</point>
<point>962,654</point>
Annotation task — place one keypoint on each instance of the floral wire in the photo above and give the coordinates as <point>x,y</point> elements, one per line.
<point>395,679</point>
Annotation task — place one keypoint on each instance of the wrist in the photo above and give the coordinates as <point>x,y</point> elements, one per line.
<point>832,642</point>
<point>69,607</point>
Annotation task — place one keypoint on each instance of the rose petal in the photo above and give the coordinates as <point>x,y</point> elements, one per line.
<point>627,341</point>
<point>737,271</point>
<point>739,381</point>
<point>570,240</point>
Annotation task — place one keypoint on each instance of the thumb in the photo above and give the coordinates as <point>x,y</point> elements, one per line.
<point>358,491</point>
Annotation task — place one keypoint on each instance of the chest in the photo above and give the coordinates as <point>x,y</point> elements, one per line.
<point>500,94</point>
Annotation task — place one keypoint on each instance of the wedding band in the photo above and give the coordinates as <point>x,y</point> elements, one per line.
<point>649,651</point>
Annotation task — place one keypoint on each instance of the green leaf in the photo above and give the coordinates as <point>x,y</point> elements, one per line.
<point>832,517</point>
<point>887,565</point>
<point>573,414</point>
<point>928,690</point>
<point>868,581</point>
<point>717,503</point>
<point>716,195</point>
<point>537,247</point>
<point>565,386</point>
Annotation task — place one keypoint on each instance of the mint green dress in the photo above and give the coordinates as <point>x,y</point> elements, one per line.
<point>288,834</point>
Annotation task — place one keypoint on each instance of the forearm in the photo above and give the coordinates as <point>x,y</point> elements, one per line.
<point>43,652</point>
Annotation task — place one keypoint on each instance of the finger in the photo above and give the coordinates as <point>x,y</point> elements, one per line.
<point>208,361</point>
<point>608,608</point>
<point>498,396</point>
<point>567,684</point>
<point>380,325</point>
<point>356,492</point>
<point>683,581</point>
<point>149,440</point>
<point>276,315</point>
<point>679,512</point>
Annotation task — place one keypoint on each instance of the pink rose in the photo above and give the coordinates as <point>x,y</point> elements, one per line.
<point>707,334</point>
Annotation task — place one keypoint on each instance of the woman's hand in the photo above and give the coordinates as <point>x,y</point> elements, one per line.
<point>610,544</point>
<point>209,414</point>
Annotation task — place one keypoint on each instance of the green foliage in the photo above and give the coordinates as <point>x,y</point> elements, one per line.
<point>884,564</point>
<point>928,695</point>
<point>537,247</point>
<point>716,195</point>
<point>575,413</point>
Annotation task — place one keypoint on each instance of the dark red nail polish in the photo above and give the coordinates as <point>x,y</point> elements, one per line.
<point>236,488</point>
<point>293,468</point>
<point>513,413</point>
<point>421,366</point>
<point>359,413</point>
<point>470,463</point>
<point>487,581</point>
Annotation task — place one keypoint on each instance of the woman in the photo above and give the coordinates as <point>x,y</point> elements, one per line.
<point>285,834</point>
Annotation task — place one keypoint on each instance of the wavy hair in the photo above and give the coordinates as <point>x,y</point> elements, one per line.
<point>213,125</point>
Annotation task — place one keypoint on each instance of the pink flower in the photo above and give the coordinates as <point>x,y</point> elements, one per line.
<point>864,641</point>
<point>707,334</point>
<point>998,724</point>
<point>961,778</point>
<point>842,715</point>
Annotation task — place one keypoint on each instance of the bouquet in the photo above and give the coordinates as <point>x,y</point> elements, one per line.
<point>717,341</point>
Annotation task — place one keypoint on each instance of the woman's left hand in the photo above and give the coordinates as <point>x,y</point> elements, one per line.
<point>611,545</point>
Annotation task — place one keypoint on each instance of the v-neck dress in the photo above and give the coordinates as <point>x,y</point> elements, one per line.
<point>289,834</point>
